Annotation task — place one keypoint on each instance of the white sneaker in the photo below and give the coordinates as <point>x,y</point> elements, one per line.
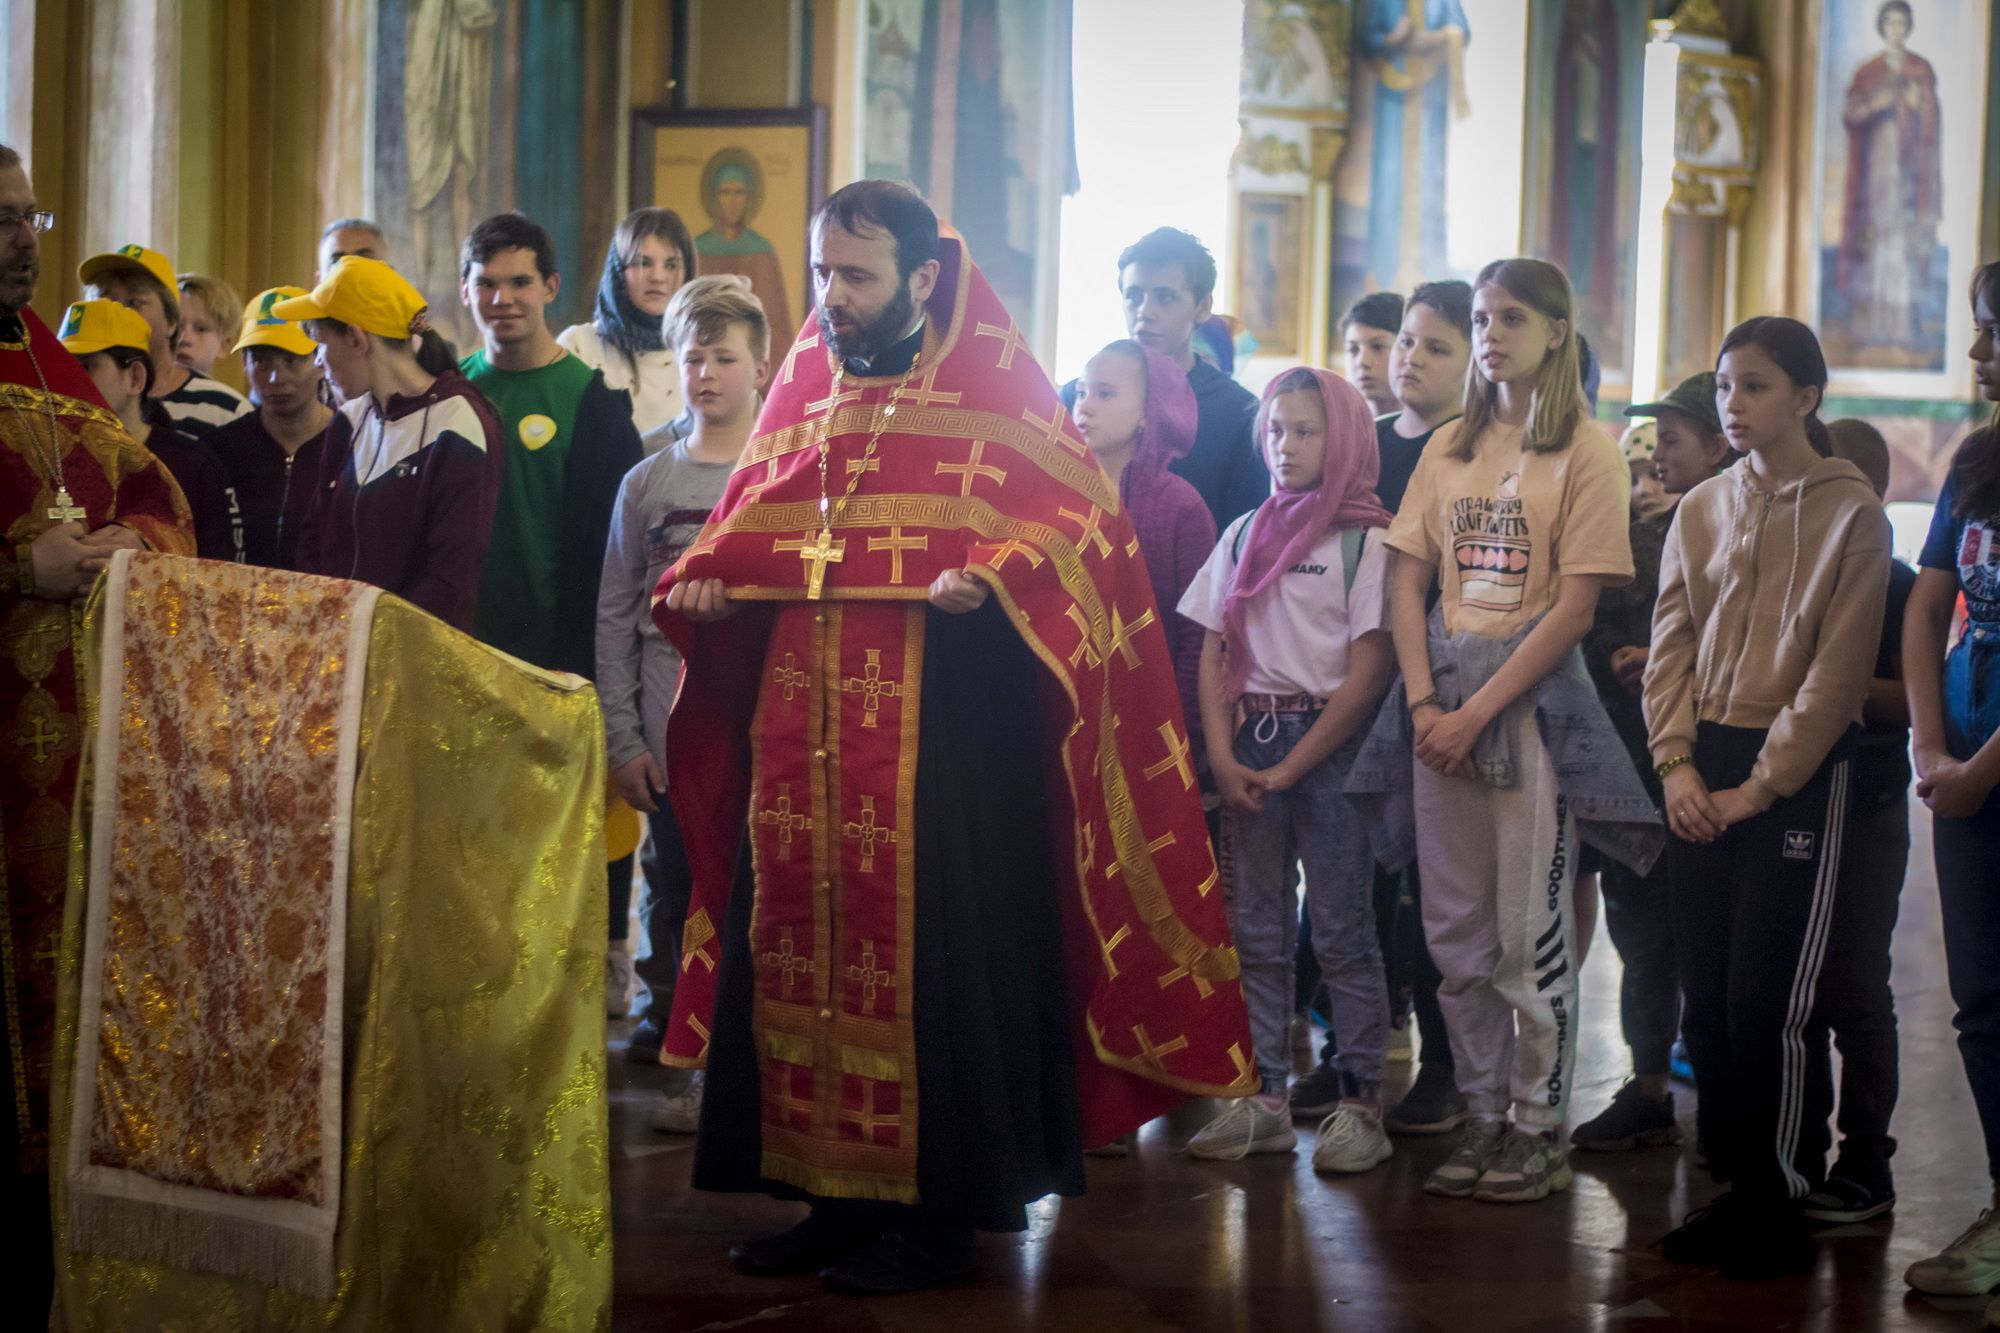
<point>617,981</point>
<point>680,1112</point>
<point>1401,1049</point>
<point>1245,1126</point>
<point>1969,1266</point>
<point>1351,1140</point>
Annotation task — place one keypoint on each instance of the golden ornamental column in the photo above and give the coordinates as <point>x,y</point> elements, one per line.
<point>1293,108</point>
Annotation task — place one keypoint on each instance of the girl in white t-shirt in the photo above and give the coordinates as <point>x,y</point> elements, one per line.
<point>1517,512</point>
<point>651,256</point>
<point>1295,662</point>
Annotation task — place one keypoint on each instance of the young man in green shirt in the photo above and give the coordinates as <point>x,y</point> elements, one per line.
<point>569,442</point>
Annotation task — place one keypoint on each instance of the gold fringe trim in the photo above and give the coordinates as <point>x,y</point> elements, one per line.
<point>788,1048</point>
<point>837,1184</point>
<point>881,1067</point>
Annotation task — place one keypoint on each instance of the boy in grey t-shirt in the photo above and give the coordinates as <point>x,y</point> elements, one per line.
<point>722,343</point>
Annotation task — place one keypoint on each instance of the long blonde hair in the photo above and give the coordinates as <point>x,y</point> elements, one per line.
<point>1556,403</point>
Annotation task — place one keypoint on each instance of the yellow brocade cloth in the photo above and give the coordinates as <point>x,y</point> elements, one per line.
<point>473,1181</point>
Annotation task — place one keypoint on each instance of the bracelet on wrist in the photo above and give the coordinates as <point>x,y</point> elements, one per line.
<point>1430,700</point>
<point>1661,770</point>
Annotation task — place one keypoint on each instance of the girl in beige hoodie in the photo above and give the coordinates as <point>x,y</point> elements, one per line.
<point>1764,639</point>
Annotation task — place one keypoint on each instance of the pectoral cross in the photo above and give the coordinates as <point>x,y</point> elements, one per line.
<point>65,510</point>
<point>820,552</point>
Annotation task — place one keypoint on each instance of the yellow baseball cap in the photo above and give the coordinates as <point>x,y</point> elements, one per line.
<point>261,328</point>
<point>93,326</point>
<point>365,293</point>
<point>130,256</point>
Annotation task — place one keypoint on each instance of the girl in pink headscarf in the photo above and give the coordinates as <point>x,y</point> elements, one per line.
<point>1295,662</point>
<point>1136,411</point>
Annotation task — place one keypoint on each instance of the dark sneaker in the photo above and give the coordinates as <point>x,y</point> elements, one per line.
<point>1703,1234</point>
<point>1845,1199</point>
<point>1633,1120</point>
<point>905,1260</point>
<point>824,1237</point>
<point>1766,1243</point>
<point>1433,1105</point>
<point>1315,1096</point>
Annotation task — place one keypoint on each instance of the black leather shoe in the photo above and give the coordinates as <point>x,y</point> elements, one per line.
<point>904,1260</point>
<point>814,1243</point>
<point>1769,1241</point>
<point>1704,1235</point>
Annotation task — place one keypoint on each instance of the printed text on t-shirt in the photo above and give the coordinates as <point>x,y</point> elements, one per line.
<point>1490,542</point>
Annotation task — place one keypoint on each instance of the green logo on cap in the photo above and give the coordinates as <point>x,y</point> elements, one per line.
<point>72,321</point>
<point>264,315</point>
<point>132,251</point>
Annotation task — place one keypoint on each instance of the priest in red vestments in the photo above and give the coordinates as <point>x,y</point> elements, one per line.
<point>74,487</point>
<point>955,913</point>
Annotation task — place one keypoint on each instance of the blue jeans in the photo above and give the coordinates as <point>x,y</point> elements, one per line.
<point>1314,817</point>
<point>1966,851</point>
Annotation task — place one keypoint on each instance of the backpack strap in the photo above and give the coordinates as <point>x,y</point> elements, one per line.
<point>1350,556</point>
<point>1350,551</point>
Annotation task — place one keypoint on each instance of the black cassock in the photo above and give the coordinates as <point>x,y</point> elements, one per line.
<point>998,1125</point>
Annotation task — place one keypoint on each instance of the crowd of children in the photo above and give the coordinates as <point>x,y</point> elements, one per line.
<point>1473,635</point>
<point>1464,662</point>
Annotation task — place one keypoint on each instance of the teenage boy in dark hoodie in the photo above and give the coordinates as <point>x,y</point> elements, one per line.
<point>1167,281</point>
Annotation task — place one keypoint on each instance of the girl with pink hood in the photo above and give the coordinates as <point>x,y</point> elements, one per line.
<point>1296,660</point>
<point>1136,411</point>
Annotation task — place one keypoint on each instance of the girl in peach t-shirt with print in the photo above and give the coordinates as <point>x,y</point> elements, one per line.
<point>1518,512</point>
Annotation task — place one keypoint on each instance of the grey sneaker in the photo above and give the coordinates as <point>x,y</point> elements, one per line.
<point>1529,1166</point>
<point>1969,1266</point>
<point>1245,1126</point>
<point>1433,1105</point>
<point>1458,1175</point>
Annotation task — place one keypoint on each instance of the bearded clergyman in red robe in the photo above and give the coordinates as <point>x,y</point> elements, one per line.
<point>955,914</point>
<point>74,488</point>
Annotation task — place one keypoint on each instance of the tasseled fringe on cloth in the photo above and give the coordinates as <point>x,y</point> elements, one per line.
<point>837,1184</point>
<point>201,1241</point>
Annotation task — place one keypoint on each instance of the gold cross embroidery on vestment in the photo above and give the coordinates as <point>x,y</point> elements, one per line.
<point>872,688</point>
<point>787,820</point>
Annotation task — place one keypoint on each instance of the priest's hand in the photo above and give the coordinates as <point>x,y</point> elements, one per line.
<point>637,780</point>
<point>106,542</point>
<point>957,592</point>
<point>59,555</point>
<point>701,599</point>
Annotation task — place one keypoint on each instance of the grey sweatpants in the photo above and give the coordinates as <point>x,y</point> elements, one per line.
<point>1498,866</point>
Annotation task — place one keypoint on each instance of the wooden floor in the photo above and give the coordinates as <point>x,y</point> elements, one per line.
<point>1165,1242</point>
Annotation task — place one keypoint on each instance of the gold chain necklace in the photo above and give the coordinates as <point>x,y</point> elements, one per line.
<point>65,509</point>
<point>823,550</point>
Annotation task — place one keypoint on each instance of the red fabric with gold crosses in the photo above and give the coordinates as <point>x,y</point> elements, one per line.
<point>800,718</point>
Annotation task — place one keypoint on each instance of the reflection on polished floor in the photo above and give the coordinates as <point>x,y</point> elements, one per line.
<point>1164,1242</point>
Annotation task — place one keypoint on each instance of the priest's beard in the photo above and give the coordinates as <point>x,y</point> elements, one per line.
<point>869,338</point>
